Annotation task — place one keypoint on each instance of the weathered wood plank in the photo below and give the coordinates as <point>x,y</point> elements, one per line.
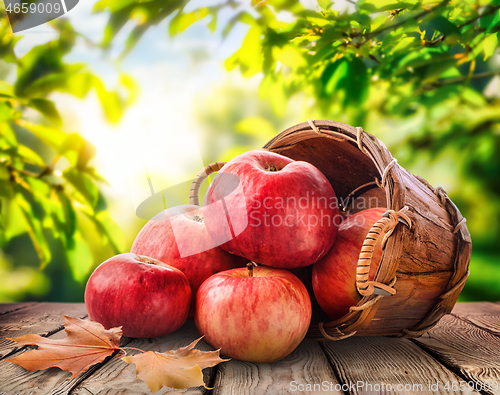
<point>382,365</point>
<point>466,309</point>
<point>484,315</point>
<point>42,319</point>
<point>303,371</point>
<point>6,308</point>
<point>117,377</point>
<point>467,349</point>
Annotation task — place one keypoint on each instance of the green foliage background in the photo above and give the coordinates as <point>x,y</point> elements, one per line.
<point>421,75</point>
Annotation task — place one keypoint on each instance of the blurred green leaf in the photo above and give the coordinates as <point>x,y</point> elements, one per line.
<point>249,57</point>
<point>35,229</point>
<point>47,108</point>
<point>112,231</point>
<point>80,84</point>
<point>5,112</point>
<point>490,45</point>
<point>12,218</point>
<point>8,136</point>
<point>443,25</point>
<point>325,4</point>
<point>40,62</point>
<point>79,257</point>
<point>110,101</point>
<point>488,18</point>
<point>289,56</point>
<point>66,217</point>
<point>131,87</point>
<point>6,90</point>
<point>473,97</point>
<point>53,82</point>
<point>50,136</point>
<point>30,156</point>
<point>70,147</point>
<point>213,23</point>
<point>83,184</point>
<point>332,76</point>
<point>182,20</point>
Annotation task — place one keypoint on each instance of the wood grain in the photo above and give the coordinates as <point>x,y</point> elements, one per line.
<point>397,366</point>
<point>303,371</point>
<point>118,377</point>
<point>462,347</point>
<point>467,349</point>
<point>417,294</point>
<point>10,307</point>
<point>483,315</point>
<point>42,319</point>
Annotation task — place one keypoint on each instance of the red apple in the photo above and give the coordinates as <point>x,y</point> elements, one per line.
<point>334,276</point>
<point>143,295</point>
<point>283,213</point>
<point>258,318</point>
<point>178,237</point>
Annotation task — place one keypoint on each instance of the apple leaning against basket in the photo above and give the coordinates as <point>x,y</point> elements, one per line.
<point>334,276</point>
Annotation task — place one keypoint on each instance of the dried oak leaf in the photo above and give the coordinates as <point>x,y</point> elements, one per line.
<point>178,369</point>
<point>86,343</point>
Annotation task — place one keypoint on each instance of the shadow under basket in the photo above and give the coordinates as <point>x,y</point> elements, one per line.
<point>424,265</point>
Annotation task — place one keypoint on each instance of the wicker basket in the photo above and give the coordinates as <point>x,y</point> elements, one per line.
<point>426,259</point>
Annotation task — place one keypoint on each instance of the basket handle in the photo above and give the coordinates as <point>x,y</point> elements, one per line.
<point>198,180</point>
<point>385,224</point>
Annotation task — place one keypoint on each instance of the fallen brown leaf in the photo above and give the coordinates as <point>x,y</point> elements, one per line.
<point>86,343</point>
<point>178,369</point>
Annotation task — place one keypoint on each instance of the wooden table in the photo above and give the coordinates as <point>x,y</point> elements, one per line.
<point>460,355</point>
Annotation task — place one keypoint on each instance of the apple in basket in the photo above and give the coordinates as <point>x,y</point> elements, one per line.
<point>178,237</point>
<point>145,296</point>
<point>334,276</point>
<point>254,315</point>
<point>283,213</point>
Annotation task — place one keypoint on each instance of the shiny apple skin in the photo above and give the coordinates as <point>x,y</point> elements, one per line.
<point>157,240</point>
<point>285,219</point>
<point>334,276</point>
<point>257,319</point>
<point>146,297</point>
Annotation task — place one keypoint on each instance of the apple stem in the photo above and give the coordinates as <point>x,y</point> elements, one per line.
<point>250,269</point>
<point>271,167</point>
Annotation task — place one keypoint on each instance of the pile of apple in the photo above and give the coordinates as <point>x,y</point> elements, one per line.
<point>265,217</point>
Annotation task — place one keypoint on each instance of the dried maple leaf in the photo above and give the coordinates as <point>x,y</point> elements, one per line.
<point>86,343</point>
<point>178,369</point>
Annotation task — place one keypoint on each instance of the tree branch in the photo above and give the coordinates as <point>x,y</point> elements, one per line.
<point>491,11</point>
<point>456,80</point>
<point>396,25</point>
